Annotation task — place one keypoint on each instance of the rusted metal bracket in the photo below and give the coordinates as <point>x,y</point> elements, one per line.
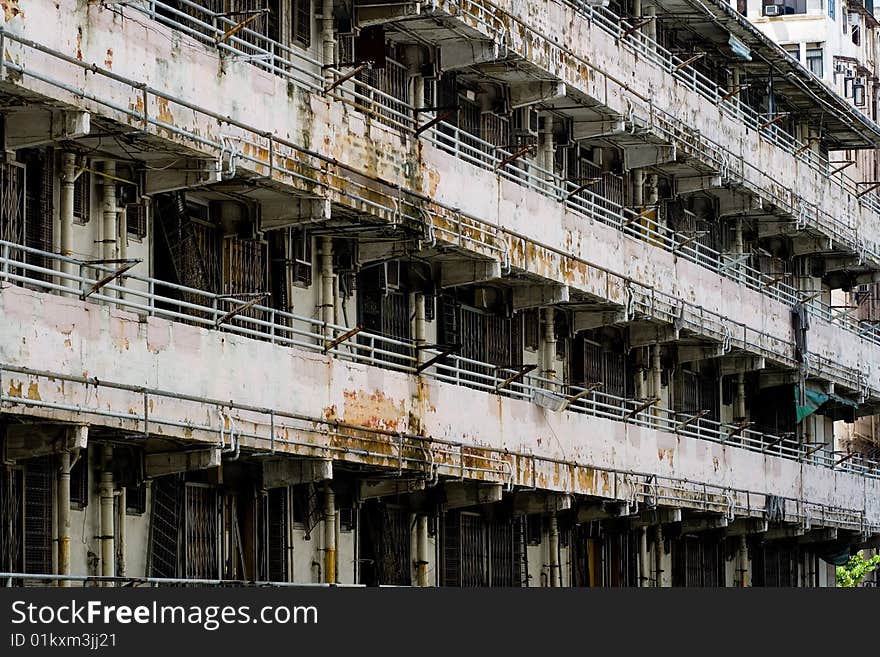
<point>689,239</point>
<point>512,158</point>
<point>844,164</point>
<point>688,61</point>
<point>637,26</point>
<point>844,459</point>
<point>737,430</point>
<point>437,119</point>
<point>776,118</point>
<point>776,280</point>
<point>818,446</point>
<point>588,182</point>
<point>641,407</point>
<point>872,185</point>
<point>525,369</point>
<point>240,309</point>
<point>810,142</point>
<point>733,92</point>
<point>590,389</point>
<point>348,76</point>
<point>445,350</point>
<point>690,420</point>
<point>254,14</point>
<point>112,276</point>
<point>348,335</point>
<point>776,441</point>
<point>643,213</point>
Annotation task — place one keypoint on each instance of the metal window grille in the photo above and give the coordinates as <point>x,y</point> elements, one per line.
<point>11,519</point>
<point>200,531</point>
<point>79,481</point>
<point>82,197</point>
<point>165,527</point>
<point>38,510</point>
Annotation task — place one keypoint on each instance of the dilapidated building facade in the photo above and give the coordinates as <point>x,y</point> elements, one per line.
<point>479,293</point>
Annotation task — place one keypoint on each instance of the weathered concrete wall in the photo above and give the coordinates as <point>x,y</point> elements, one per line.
<point>68,336</point>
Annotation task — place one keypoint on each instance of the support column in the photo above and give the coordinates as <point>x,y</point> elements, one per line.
<point>64,517</point>
<point>65,244</point>
<point>553,546</point>
<point>739,410</point>
<point>548,148</point>
<point>418,98</point>
<point>742,562</point>
<point>656,377</point>
<point>644,559</point>
<point>651,28</point>
<point>108,556</point>
<point>658,556</point>
<point>329,534</point>
<point>549,355</point>
<point>638,189</point>
<point>109,237</point>
<point>422,550</point>
<point>121,505</point>
<point>327,304</point>
<point>420,328</point>
<point>329,44</point>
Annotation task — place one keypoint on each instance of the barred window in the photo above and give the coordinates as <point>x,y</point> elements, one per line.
<point>136,220</point>
<point>79,481</point>
<point>302,22</point>
<point>82,197</point>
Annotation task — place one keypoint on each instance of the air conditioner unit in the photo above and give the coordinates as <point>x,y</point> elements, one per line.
<point>525,122</point>
<point>839,67</point>
<point>772,10</point>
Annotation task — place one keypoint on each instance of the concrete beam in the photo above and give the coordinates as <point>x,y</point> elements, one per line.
<point>467,493</point>
<point>642,335</point>
<point>461,54</point>
<point>582,130</point>
<point>465,272</point>
<point>774,379</point>
<point>697,525</point>
<point>293,212</point>
<point>779,533</point>
<point>289,472</point>
<point>651,517</point>
<point>538,296</point>
<point>191,173</point>
<point>746,526</point>
<point>733,203</point>
<point>530,93</point>
<point>30,128</point>
<point>822,535</point>
<point>741,364</point>
<point>601,511</point>
<point>540,502</point>
<point>375,13</point>
<point>584,320</point>
<point>647,155</point>
<point>694,354</point>
<point>27,441</point>
<point>159,464</point>
<point>808,244</point>
<point>694,184</point>
<point>375,488</point>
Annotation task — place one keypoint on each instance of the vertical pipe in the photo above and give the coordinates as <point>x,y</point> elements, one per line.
<point>742,560</point>
<point>68,182</point>
<point>653,198</point>
<point>108,561</point>
<point>329,534</point>
<point>638,188</point>
<point>651,28</point>
<point>418,98</point>
<point>64,518</point>
<point>327,37</point>
<point>553,546</point>
<point>327,305</point>
<point>420,329</point>
<point>120,524</point>
<point>548,149</point>
<point>122,232</point>
<point>644,559</point>
<point>108,209</point>
<point>422,550</point>
<point>740,398</point>
<point>549,359</point>
<point>656,377</point>
<point>658,555</point>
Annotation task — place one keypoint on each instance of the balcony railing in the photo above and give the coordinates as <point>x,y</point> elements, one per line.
<point>153,297</point>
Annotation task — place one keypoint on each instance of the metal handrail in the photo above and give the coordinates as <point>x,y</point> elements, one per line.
<point>141,294</point>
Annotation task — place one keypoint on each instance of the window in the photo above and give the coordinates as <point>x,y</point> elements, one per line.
<point>859,92</point>
<point>301,11</point>
<point>784,7</point>
<point>136,220</point>
<point>815,60</point>
<point>136,499</point>
<point>793,50</point>
<point>300,259</point>
<point>531,329</point>
<point>82,196</point>
<point>831,9</point>
<point>856,32</point>
<point>79,481</point>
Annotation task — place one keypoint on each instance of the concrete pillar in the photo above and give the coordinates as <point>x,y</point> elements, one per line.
<point>651,28</point>
<point>742,563</point>
<point>548,148</point>
<point>658,555</point>
<point>108,548</point>
<point>329,534</point>
<point>120,531</point>
<point>328,42</point>
<point>644,559</point>
<point>68,182</point>
<point>549,347</point>
<point>638,188</point>
<point>656,377</point>
<point>653,198</point>
<point>418,98</point>
<point>553,547</point>
<point>109,237</point>
<point>327,300</point>
<point>422,550</point>
<point>64,517</point>
<point>420,328</point>
<point>739,409</point>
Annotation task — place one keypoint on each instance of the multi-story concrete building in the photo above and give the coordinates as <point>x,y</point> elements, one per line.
<point>473,293</point>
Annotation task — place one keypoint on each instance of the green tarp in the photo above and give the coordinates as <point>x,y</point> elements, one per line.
<point>814,400</point>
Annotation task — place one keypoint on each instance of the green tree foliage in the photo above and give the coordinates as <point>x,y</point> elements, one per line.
<point>852,574</point>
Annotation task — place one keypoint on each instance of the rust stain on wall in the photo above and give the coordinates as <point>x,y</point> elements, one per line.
<point>15,389</point>
<point>11,9</point>
<point>374,410</point>
<point>33,391</point>
<point>108,60</point>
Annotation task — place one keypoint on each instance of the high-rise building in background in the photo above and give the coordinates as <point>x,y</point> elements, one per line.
<point>477,293</point>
